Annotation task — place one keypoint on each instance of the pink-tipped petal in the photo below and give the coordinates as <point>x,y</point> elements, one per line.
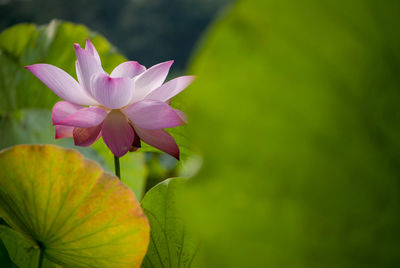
<point>64,132</point>
<point>182,115</point>
<point>159,139</point>
<point>136,141</point>
<point>62,110</point>
<point>150,114</point>
<point>90,47</point>
<point>128,69</point>
<point>170,89</point>
<point>117,133</point>
<point>86,136</point>
<point>61,83</point>
<point>87,67</point>
<point>84,118</point>
<point>113,93</point>
<point>151,79</point>
<point>79,76</point>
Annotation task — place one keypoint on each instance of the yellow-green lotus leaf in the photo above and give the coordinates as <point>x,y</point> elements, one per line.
<point>78,215</point>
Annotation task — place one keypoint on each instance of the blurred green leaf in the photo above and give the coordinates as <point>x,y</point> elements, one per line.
<point>171,245</point>
<point>68,207</point>
<point>295,112</point>
<point>27,44</point>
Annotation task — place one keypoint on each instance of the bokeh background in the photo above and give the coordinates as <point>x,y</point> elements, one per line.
<point>293,145</point>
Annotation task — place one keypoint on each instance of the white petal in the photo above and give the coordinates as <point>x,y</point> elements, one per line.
<point>150,80</point>
<point>87,67</point>
<point>61,83</point>
<point>113,93</point>
<point>128,69</point>
<point>170,89</point>
<point>90,47</point>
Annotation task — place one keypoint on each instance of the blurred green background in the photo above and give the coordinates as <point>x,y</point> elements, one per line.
<point>149,31</point>
<point>294,126</point>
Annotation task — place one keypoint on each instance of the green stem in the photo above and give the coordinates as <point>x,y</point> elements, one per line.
<point>116,164</point>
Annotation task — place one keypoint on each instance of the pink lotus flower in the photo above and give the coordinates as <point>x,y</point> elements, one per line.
<point>126,107</point>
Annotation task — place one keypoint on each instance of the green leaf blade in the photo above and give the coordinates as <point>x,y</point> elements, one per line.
<point>171,244</point>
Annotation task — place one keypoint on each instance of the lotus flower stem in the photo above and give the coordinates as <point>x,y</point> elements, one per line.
<point>116,164</point>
